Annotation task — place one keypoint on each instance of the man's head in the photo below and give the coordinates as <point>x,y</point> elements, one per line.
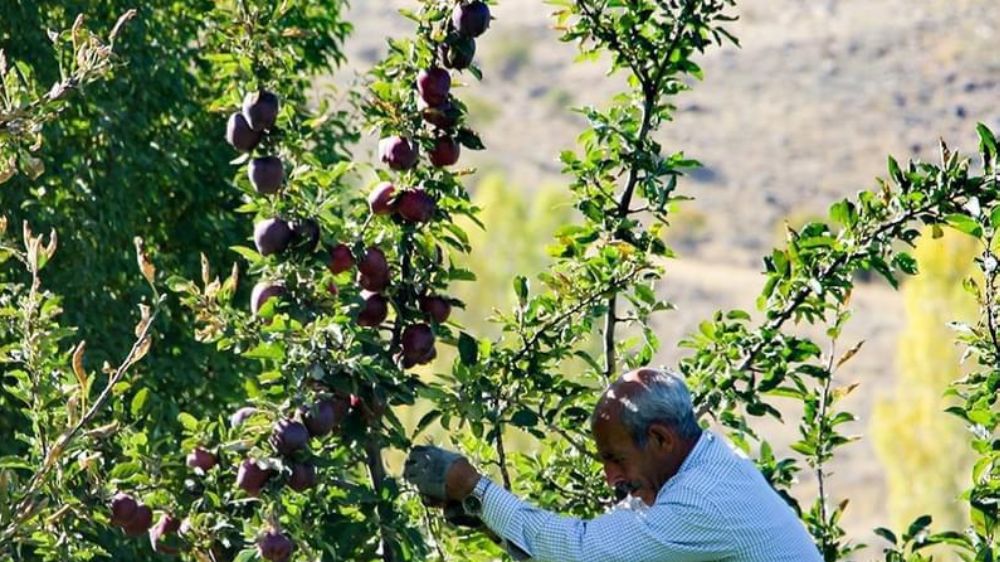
<point>644,427</point>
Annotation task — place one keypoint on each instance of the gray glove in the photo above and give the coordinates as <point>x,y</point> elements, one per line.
<point>426,468</point>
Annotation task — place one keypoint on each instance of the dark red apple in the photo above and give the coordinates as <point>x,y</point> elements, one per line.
<point>251,477</point>
<point>472,19</point>
<point>374,309</point>
<point>239,134</point>
<point>415,206</point>
<point>374,283</point>
<point>303,477</point>
<point>380,200</point>
<point>305,234</point>
<point>445,152</point>
<point>266,174</point>
<point>271,236</point>
<point>275,547</point>
<point>436,308</point>
<point>341,259</point>
<point>443,116</point>
<point>417,341</point>
<point>123,507</point>
<point>241,415</point>
<point>141,520</point>
<point>261,293</point>
<point>201,459</point>
<point>167,525</point>
<point>374,263</point>
<point>260,109</point>
<point>289,436</point>
<point>321,418</point>
<point>433,84</point>
<point>397,152</point>
<point>458,54</point>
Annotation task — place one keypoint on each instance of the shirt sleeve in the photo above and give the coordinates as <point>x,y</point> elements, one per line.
<point>678,531</point>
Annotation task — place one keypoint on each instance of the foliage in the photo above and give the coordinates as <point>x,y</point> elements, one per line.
<point>45,382</point>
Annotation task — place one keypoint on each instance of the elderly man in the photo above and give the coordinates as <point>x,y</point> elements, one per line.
<point>692,498</point>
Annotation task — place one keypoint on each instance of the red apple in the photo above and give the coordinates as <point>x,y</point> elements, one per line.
<point>201,459</point>
<point>266,174</point>
<point>251,477</point>
<point>380,200</point>
<point>374,264</point>
<point>415,206</point>
<point>123,508</point>
<point>239,134</point>
<point>374,309</point>
<point>167,525</point>
<point>341,259</point>
<point>271,236</point>
<point>261,293</point>
<point>140,522</point>
<point>260,109</point>
<point>436,308</point>
<point>445,152</point>
<point>433,85</point>
<point>397,152</point>
<point>472,19</point>
<point>303,477</point>
<point>275,547</point>
<point>417,341</point>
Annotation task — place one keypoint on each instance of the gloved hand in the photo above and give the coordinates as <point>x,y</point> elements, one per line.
<point>427,468</point>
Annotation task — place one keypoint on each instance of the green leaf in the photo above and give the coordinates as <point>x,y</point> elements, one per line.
<point>246,555</point>
<point>266,350</point>
<point>886,534</point>
<point>919,524</point>
<point>139,402</point>
<point>468,350</point>
<point>469,139</point>
<point>964,223</point>
<point>251,255</point>
<point>524,418</point>
<point>124,470</point>
<point>189,422</point>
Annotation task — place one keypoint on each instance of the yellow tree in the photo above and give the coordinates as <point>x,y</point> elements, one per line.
<point>922,448</point>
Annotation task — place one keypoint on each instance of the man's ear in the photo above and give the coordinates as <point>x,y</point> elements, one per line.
<point>661,437</point>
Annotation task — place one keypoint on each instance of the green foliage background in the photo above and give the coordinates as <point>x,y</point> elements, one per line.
<point>137,154</point>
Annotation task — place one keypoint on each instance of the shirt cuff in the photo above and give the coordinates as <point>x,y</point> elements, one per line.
<point>500,509</point>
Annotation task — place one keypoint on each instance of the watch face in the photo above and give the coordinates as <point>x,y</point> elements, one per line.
<point>472,505</point>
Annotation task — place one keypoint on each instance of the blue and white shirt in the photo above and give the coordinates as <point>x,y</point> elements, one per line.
<point>718,507</point>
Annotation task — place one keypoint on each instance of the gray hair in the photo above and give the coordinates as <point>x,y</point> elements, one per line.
<point>665,400</point>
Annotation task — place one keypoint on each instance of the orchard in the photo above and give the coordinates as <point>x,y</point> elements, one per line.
<point>257,409</point>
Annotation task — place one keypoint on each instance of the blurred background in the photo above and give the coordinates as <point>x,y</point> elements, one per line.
<point>803,114</point>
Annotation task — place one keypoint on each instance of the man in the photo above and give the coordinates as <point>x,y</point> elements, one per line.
<point>692,498</point>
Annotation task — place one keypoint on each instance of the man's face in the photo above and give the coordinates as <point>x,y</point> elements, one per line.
<point>640,469</point>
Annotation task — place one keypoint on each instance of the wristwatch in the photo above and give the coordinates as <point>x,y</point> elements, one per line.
<point>473,503</point>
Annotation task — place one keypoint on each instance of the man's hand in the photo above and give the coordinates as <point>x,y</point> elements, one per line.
<point>440,474</point>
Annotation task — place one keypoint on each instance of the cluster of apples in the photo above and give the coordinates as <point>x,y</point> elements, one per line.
<point>136,518</point>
